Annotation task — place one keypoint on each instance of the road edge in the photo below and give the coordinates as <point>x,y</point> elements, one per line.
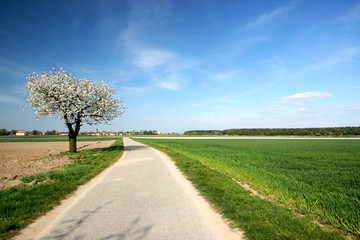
<point>40,224</point>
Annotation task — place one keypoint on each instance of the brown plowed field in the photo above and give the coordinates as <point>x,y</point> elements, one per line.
<point>28,158</point>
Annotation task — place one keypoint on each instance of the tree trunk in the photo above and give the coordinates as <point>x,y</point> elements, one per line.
<point>73,133</point>
<point>72,143</point>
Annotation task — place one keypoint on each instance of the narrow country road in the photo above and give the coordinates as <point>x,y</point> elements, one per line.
<point>142,196</point>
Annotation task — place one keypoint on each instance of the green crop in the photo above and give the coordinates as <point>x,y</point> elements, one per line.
<point>316,178</point>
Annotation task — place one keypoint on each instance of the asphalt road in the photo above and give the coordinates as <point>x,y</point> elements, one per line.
<point>142,196</point>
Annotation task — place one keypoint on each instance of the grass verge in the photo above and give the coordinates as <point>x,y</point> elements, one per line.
<point>21,205</point>
<point>260,219</point>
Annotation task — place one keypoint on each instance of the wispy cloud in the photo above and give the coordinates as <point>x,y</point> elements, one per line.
<point>150,59</point>
<point>345,56</point>
<point>15,68</point>
<point>136,89</point>
<point>222,76</point>
<point>196,105</point>
<point>224,99</point>
<point>143,18</point>
<point>228,101</point>
<point>300,98</point>
<point>170,85</point>
<point>336,60</point>
<point>4,98</point>
<point>353,15</point>
<point>80,71</point>
<point>164,68</point>
<point>269,17</point>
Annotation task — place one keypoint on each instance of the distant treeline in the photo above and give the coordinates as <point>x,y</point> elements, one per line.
<point>4,132</point>
<point>337,131</point>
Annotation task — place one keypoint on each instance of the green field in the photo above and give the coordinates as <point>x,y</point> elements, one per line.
<point>316,178</point>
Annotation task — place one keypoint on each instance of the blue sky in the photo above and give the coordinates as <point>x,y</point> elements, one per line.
<point>183,65</point>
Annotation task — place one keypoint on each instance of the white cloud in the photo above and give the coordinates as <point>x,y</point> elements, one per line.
<point>352,108</point>
<point>169,85</point>
<point>300,98</point>
<point>269,17</point>
<point>222,76</point>
<point>150,59</point>
<point>164,68</point>
<point>136,89</point>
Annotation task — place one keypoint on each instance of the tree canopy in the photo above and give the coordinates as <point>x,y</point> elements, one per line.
<point>74,100</point>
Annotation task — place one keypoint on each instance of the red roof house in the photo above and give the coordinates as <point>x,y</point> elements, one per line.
<point>20,133</point>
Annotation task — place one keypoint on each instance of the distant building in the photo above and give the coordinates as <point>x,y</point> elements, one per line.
<point>20,133</point>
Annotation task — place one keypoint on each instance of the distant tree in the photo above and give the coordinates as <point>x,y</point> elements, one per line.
<point>4,132</point>
<point>150,132</point>
<point>35,132</point>
<point>134,132</point>
<point>74,100</point>
<point>52,132</point>
<point>13,132</point>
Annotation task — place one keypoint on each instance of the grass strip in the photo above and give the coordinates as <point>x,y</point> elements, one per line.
<point>21,205</point>
<point>260,219</point>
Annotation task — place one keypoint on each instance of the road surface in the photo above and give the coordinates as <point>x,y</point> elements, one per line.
<point>142,196</point>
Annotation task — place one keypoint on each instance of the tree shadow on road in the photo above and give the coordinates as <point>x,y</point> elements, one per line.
<point>67,228</point>
<point>131,232</point>
<point>135,147</point>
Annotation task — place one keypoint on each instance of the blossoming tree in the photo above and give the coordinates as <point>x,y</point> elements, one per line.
<point>76,101</point>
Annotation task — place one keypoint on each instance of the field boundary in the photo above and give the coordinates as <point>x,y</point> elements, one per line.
<point>250,137</point>
<point>256,193</point>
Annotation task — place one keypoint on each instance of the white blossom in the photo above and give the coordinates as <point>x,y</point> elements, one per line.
<point>77,101</point>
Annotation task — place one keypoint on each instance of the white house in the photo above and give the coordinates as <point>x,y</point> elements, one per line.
<point>20,133</point>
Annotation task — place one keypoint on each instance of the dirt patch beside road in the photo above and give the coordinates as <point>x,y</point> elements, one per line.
<point>28,158</point>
